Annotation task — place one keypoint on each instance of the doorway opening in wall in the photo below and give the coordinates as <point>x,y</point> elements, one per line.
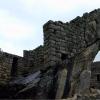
<point>14,67</point>
<point>64,56</point>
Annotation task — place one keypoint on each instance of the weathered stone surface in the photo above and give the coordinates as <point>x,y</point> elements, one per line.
<point>95,72</point>
<point>83,62</point>
<point>78,39</point>
<point>61,83</point>
<point>6,61</point>
<point>33,60</point>
<point>85,82</point>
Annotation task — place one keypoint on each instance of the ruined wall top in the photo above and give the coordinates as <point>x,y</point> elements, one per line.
<point>71,37</point>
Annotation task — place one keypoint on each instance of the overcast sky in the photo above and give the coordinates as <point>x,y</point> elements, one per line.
<point>21,21</point>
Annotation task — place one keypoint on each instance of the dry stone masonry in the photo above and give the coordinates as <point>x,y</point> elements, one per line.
<point>95,75</point>
<point>34,59</point>
<point>79,39</point>
<point>69,38</point>
<point>7,70</point>
<point>64,62</point>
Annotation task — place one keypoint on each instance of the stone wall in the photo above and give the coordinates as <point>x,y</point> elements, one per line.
<point>34,59</point>
<point>95,75</point>
<point>78,40</point>
<point>20,66</point>
<point>6,61</point>
<point>69,38</point>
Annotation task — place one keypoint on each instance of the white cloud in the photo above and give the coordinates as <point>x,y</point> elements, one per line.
<point>10,48</point>
<point>58,6</point>
<point>50,5</point>
<point>28,3</point>
<point>14,30</point>
<point>12,27</point>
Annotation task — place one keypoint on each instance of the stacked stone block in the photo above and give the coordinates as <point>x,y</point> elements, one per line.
<point>4,71</point>
<point>34,59</point>
<point>68,38</point>
<point>95,75</point>
<point>6,61</point>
